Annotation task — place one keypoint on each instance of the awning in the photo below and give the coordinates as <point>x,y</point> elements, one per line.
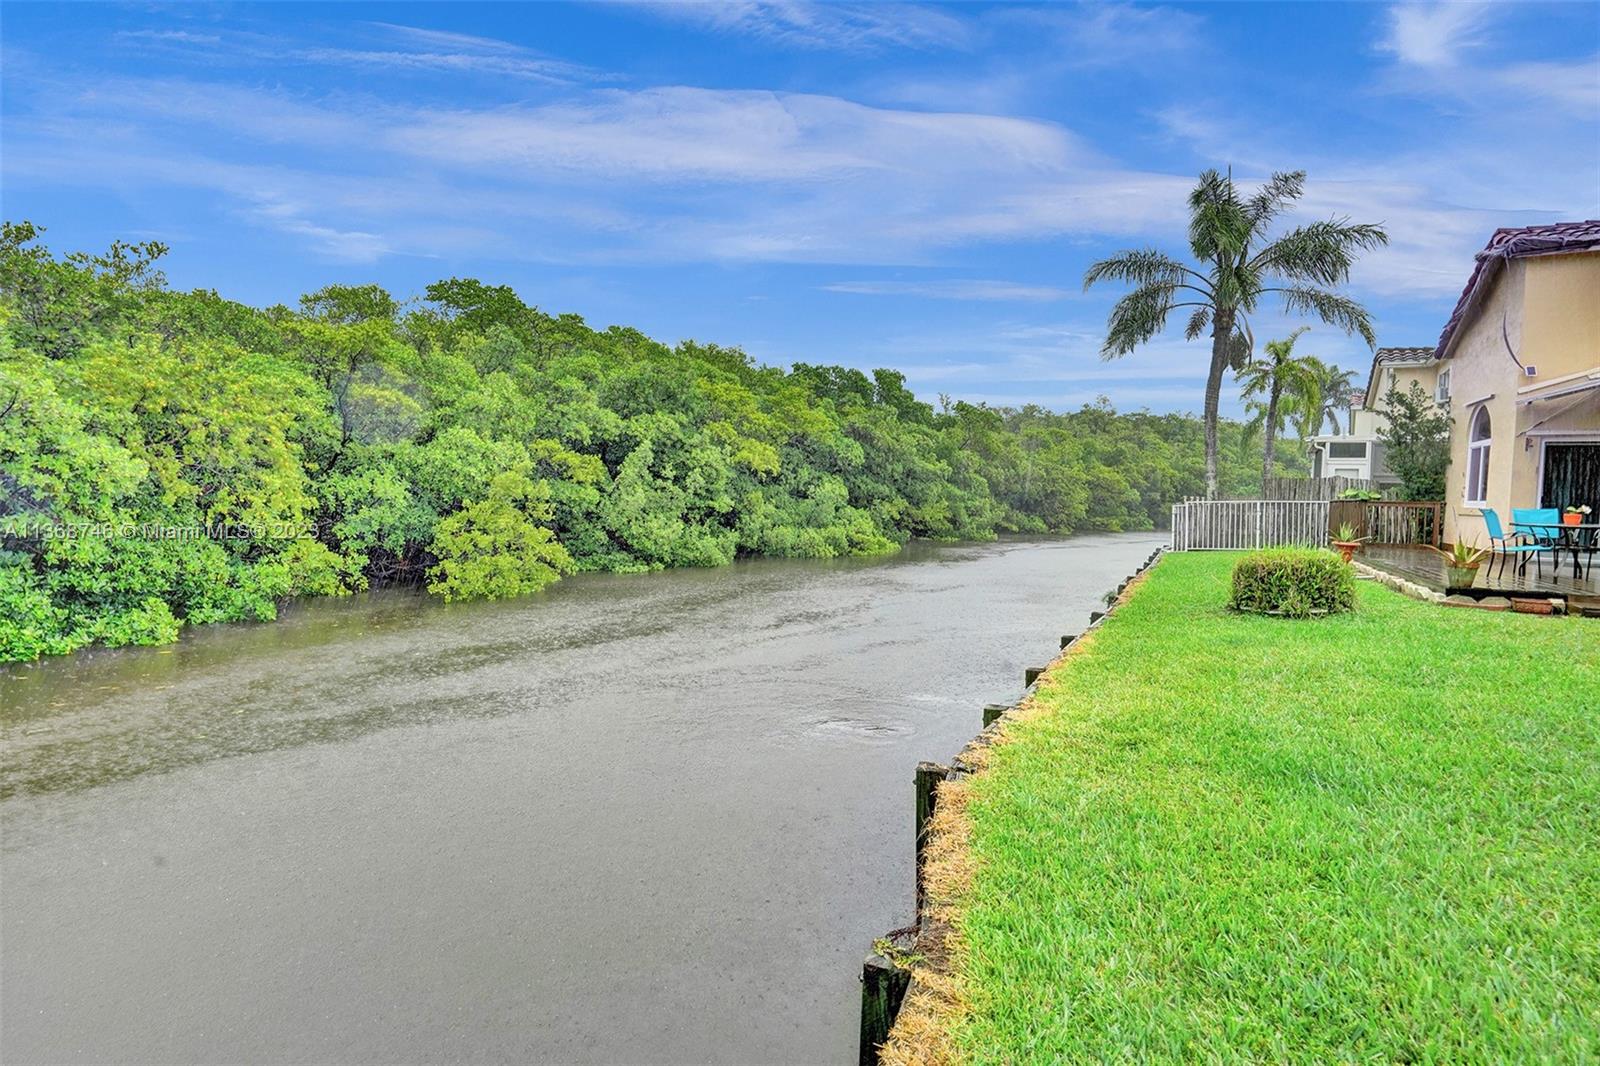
<point>1569,385</point>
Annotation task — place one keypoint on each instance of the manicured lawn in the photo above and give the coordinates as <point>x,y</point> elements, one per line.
<point>1373,837</point>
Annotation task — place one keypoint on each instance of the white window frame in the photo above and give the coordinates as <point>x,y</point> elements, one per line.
<point>1441,388</point>
<point>1478,458</point>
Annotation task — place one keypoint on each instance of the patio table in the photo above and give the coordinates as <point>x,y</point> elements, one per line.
<point>1584,537</point>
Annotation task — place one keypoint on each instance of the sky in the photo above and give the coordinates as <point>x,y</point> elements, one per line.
<point>918,187</point>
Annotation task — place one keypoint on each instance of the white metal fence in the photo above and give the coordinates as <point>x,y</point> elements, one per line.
<point>1208,525</point>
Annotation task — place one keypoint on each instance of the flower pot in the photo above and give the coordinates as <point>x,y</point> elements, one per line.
<point>1572,519</point>
<point>1347,548</point>
<point>1462,577</point>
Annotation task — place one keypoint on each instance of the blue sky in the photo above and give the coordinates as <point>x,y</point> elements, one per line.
<point>911,186</point>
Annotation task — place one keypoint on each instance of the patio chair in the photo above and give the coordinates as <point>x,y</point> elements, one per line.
<point>1507,546</point>
<point>1542,525</point>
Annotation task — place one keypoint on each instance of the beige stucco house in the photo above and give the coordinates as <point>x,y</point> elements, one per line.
<point>1357,452</point>
<point>1520,363</point>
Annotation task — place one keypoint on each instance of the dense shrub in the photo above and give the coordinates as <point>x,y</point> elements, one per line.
<point>1294,582</point>
<point>171,459</point>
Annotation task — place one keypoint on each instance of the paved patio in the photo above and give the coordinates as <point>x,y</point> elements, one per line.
<point>1425,567</point>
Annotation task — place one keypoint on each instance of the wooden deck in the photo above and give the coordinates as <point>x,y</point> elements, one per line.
<point>1425,567</point>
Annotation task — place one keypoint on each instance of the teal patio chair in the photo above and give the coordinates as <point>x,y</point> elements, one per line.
<point>1542,525</point>
<point>1507,546</point>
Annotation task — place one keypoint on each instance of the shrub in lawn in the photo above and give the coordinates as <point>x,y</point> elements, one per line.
<point>1294,582</point>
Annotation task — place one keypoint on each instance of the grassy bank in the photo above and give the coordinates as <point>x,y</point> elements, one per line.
<point>1370,837</point>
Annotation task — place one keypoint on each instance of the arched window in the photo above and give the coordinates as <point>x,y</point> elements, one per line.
<point>1478,459</point>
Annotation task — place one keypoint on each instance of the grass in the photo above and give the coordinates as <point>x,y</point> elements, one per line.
<point>1372,837</point>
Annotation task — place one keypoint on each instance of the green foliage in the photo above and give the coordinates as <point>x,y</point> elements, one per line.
<point>497,546</point>
<point>1294,582</point>
<point>1417,442</point>
<point>182,449</point>
<point>1277,387</point>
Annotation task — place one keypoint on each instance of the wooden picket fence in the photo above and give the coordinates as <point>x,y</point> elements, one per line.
<point>1231,525</point>
<point>1313,488</point>
<point>1390,521</point>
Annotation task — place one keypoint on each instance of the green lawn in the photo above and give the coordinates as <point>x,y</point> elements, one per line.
<point>1372,837</point>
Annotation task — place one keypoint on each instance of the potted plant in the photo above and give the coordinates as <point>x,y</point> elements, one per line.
<point>1462,560</point>
<point>1346,541</point>
<point>1575,516</point>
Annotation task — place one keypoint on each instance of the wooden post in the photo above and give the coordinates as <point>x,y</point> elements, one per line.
<point>1067,639</point>
<point>883,986</point>
<point>927,778</point>
<point>992,711</point>
<point>1031,674</point>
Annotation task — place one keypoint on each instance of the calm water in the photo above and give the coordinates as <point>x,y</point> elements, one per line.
<point>652,818</point>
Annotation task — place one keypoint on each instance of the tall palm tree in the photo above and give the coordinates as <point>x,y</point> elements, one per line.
<point>1337,389</point>
<point>1237,266</point>
<point>1281,376</point>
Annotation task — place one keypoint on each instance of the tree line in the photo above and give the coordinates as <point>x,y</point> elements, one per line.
<point>172,458</point>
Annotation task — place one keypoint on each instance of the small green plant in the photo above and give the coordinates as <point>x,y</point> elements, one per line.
<point>1366,495</point>
<point>1346,534</point>
<point>1292,582</point>
<point>1462,555</point>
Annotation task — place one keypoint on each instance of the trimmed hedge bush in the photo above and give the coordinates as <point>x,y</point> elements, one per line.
<point>1293,582</point>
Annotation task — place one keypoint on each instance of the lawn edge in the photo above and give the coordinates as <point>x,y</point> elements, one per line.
<point>935,1001</point>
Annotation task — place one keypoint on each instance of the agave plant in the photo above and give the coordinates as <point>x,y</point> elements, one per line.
<point>1462,555</point>
<point>1346,534</point>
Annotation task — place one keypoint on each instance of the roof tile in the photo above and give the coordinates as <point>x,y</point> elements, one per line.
<point>1515,242</point>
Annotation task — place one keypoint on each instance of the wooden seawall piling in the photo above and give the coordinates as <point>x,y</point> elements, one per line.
<point>887,980</point>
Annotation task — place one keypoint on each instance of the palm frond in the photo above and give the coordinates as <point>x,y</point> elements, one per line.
<point>1135,318</point>
<point>1319,252</point>
<point>1197,323</point>
<point>1330,307</point>
<point>1279,192</point>
<point>1144,266</point>
<point>1219,228</point>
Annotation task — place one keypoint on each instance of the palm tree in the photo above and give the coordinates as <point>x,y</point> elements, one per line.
<point>1237,267</point>
<point>1281,376</point>
<point>1337,389</point>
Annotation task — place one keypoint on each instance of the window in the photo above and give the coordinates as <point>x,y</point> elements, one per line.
<point>1345,449</point>
<point>1441,389</point>
<point>1478,459</point>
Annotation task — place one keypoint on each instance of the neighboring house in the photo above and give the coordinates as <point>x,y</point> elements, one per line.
<point>1358,453</point>
<point>1521,360</point>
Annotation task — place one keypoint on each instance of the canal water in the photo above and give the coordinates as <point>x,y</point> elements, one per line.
<point>641,818</point>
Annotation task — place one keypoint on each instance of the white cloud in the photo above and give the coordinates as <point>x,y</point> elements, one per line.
<point>374,46</point>
<point>1435,34</point>
<point>839,26</point>
<point>953,289</point>
<point>1443,50</point>
<point>679,133</point>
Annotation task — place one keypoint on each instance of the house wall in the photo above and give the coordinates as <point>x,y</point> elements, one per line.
<point>1552,318</point>
<point>1561,329</point>
<point>1482,370</point>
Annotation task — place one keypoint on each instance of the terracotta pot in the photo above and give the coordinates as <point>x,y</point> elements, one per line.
<point>1572,519</point>
<point>1347,548</point>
